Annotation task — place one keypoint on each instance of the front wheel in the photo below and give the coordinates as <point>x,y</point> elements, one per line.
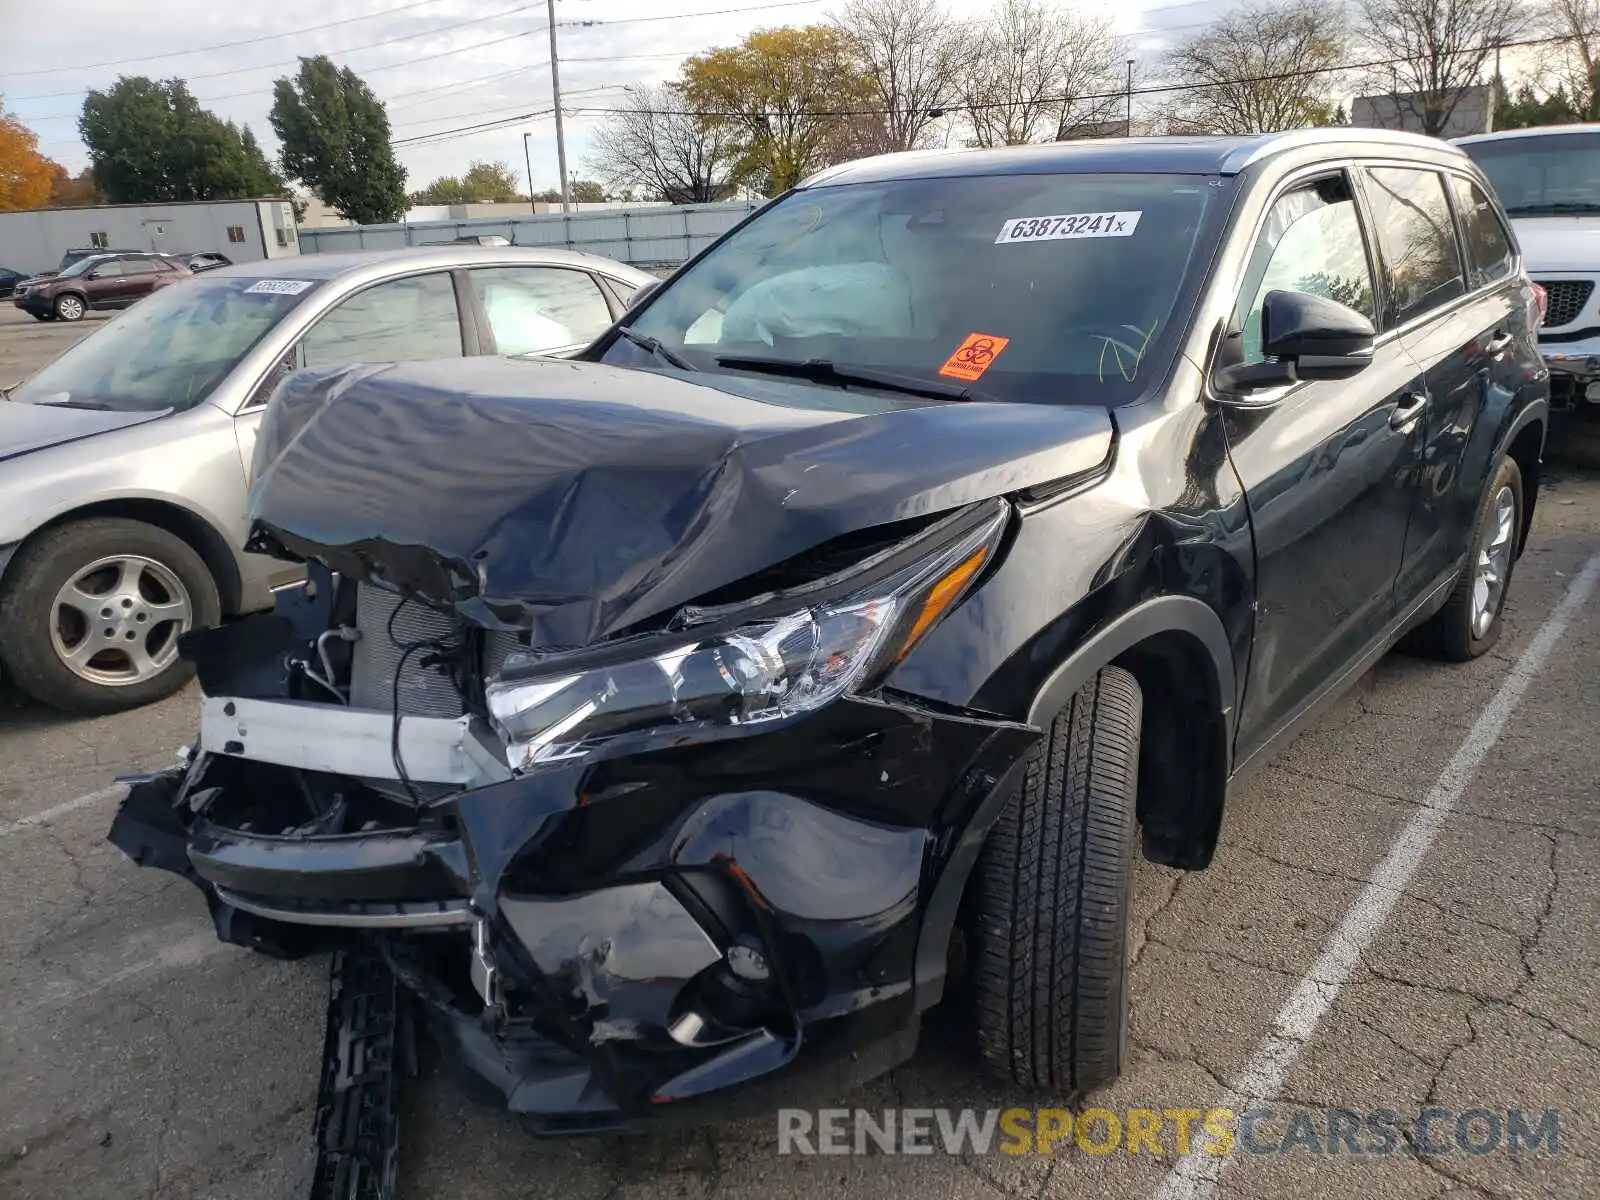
<point>1469,623</point>
<point>1048,911</point>
<point>70,307</point>
<point>91,613</point>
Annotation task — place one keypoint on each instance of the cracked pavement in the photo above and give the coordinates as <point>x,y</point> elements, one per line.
<point>139,1058</point>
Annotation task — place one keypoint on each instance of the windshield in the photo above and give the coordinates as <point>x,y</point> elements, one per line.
<point>79,267</point>
<point>1044,288</point>
<point>169,350</point>
<point>1543,174</point>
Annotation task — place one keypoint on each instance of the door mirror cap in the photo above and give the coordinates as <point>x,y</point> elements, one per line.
<point>1309,337</point>
<point>641,293</point>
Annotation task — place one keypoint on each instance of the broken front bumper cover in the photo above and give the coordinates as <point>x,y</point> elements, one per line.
<point>607,941</point>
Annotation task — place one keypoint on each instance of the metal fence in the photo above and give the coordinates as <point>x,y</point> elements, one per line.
<point>644,237</point>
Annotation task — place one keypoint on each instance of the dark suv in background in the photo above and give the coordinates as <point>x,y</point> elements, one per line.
<point>111,280</point>
<point>853,610</point>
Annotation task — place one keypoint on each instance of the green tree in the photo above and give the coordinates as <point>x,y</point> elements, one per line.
<point>446,189</point>
<point>585,191</point>
<point>777,89</point>
<point>149,140</point>
<point>335,137</point>
<point>1528,108</point>
<point>490,183</point>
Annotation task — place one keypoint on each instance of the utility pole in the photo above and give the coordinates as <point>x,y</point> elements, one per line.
<point>1129,131</point>
<point>555,88</point>
<point>527,158</point>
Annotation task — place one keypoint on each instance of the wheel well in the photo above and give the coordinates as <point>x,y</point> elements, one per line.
<point>1525,449</point>
<point>199,533</point>
<point>1183,749</point>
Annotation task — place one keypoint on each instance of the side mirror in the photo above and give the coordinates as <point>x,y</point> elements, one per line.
<point>639,295</point>
<point>1304,337</point>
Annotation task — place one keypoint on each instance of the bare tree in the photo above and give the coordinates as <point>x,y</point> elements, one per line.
<point>1441,47</point>
<point>910,54</point>
<point>1261,67</point>
<point>652,143</point>
<point>1575,60</point>
<point>1035,72</point>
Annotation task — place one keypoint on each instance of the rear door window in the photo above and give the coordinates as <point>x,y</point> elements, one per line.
<point>1417,240</point>
<point>403,320</point>
<point>1489,252</point>
<point>532,310</point>
<point>138,266</point>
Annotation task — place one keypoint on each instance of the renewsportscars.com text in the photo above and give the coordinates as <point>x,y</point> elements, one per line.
<point>1219,1131</point>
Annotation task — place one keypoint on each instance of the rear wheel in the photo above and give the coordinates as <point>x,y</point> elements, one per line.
<point>70,307</point>
<point>1469,623</point>
<point>91,613</point>
<point>1048,909</point>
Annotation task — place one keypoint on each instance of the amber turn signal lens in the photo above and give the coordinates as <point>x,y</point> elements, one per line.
<point>941,596</point>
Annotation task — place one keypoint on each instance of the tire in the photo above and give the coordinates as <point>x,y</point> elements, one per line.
<point>36,633</point>
<point>1047,928</point>
<point>1454,633</point>
<point>70,306</point>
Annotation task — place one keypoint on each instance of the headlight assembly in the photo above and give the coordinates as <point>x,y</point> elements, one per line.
<point>767,670</point>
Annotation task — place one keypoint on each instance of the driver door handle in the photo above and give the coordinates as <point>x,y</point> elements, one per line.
<point>1498,344</point>
<point>1408,409</point>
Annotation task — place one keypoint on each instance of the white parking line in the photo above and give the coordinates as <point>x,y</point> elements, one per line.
<point>1195,1175</point>
<point>114,792</point>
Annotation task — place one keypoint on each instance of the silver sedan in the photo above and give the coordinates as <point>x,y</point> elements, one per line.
<point>124,463</point>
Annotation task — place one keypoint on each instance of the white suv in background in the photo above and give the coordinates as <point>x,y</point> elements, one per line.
<point>1549,181</point>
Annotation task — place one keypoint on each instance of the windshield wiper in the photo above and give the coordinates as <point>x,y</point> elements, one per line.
<point>1565,206</point>
<point>654,346</point>
<point>96,405</point>
<point>820,370</point>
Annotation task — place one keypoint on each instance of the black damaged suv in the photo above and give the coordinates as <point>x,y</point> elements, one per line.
<point>672,719</point>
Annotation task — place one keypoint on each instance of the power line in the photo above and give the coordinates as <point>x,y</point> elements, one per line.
<point>404,37</point>
<point>266,37</point>
<point>721,12</point>
<point>1150,90</point>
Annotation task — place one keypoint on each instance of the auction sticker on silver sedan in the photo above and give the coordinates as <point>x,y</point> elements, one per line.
<point>1069,225</point>
<point>279,287</point>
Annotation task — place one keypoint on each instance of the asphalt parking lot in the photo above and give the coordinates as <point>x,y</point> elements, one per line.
<point>1404,915</point>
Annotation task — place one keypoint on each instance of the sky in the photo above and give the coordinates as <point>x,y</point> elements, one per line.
<point>444,63</point>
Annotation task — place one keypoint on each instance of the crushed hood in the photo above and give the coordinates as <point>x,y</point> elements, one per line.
<point>576,499</point>
<point>25,427</point>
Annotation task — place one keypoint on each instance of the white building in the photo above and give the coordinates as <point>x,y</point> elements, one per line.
<point>34,240</point>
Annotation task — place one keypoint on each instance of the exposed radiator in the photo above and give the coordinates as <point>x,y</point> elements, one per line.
<point>422,691</point>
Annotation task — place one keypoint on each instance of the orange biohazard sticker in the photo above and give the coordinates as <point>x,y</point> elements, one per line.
<point>974,356</point>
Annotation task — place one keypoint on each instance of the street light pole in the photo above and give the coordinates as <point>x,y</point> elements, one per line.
<point>527,159</point>
<point>1128,132</point>
<point>555,88</point>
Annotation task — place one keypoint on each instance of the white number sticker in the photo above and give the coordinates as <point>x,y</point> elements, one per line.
<point>1069,225</point>
<point>279,287</point>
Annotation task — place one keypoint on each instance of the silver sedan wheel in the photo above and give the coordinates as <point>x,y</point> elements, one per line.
<point>69,308</point>
<point>117,621</point>
<point>1494,562</point>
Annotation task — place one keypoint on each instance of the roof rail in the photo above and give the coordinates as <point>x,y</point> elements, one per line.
<point>1269,144</point>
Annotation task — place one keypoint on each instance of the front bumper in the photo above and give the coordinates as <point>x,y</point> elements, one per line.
<point>32,302</point>
<point>1573,367</point>
<point>602,942</point>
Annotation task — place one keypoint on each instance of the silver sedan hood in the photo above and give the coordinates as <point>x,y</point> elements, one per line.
<point>27,427</point>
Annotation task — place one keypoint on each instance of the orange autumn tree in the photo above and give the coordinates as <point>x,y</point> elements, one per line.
<point>26,176</point>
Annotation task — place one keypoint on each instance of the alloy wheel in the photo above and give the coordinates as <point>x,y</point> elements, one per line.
<point>70,308</point>
<point>117,621</point>
<point>1494,562</point>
